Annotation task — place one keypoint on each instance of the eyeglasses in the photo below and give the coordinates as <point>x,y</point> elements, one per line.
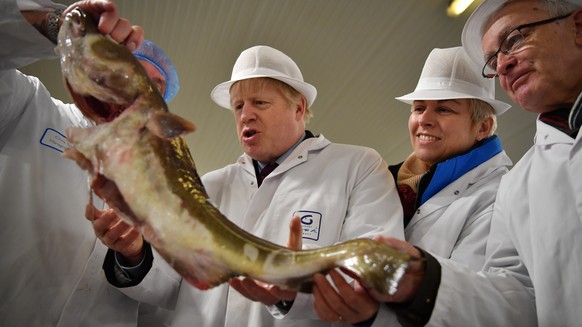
<point>513,43</point>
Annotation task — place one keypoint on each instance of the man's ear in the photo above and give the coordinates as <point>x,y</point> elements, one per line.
<point>577,17</point>
<point>300,108</point>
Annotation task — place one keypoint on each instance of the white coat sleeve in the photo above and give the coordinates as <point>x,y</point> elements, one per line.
<point>501,295</point>
<point>20,43</point>
<point>470,247</point>
<point>374,205</point>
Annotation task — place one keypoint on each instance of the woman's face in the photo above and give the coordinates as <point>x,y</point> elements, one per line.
<point>441,129</point>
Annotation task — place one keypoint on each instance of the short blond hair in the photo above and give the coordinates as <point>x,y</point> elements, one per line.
<point>481,110</point>
<point>292,95</point>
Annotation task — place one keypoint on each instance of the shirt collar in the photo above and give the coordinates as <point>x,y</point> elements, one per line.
<point>284,156</point>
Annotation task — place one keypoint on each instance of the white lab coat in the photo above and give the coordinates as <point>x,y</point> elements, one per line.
<point>50,259</point>
<point>346,190</point>
<point>535,237</point>
<point>454,224</point>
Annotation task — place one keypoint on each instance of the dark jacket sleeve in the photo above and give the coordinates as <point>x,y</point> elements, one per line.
<point>418,312</point>
<point>121,277</point>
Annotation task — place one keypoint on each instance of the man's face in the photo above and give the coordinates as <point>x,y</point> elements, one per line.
<point>267,124</point>
<point>540,76</point>
<point>155,75</point>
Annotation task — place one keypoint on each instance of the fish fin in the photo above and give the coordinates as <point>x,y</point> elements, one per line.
<point>79,158</point>
<point>168,126</point>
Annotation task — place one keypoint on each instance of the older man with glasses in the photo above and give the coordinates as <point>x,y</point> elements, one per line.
<point>514,42</point>
<point>532,271</point>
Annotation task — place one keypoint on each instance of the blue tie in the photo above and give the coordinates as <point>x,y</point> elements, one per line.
<point>266,171</point>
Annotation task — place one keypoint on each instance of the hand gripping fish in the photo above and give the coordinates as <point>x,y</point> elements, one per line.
<point>141,166</point>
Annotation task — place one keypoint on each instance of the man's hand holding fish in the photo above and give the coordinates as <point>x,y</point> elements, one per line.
<point>111,23</point>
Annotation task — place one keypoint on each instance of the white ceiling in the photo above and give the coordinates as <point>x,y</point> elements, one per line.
<point>360,54</point>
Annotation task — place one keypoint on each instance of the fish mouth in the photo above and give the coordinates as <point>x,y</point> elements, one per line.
<point>95,109</point>
<point>77,26</point>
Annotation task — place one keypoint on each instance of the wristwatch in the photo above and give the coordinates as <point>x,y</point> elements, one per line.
<point>53,25</point>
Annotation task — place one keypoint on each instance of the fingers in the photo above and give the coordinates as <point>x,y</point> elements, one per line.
<point>412,279</point>
<point>110,23</point>
<point>282,294</point>
<point>134,39</point>
<point>352,304</point>
<point>295,234</point>
<point>91,212</point>
<point>123,32</point>
<point>109,227</point>
<point>258,291</point>
<point>97,9</point>
<point>254,292</point>
<point>322,294</point>
<point>398,245</point>
<point>115,233</point>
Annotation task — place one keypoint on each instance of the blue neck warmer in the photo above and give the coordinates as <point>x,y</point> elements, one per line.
<point>448,171</point>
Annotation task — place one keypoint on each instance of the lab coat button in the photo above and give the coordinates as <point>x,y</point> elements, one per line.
<point>418,211</point>
<point>457,192</point>
<point>300,157</point>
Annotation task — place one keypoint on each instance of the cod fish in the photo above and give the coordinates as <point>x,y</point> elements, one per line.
<point>140,165</point>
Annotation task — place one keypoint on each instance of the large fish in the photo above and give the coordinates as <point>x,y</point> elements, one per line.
<point>142,168</point>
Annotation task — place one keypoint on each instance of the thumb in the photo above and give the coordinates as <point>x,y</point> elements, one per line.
<point>295,234</point>
<point>91,213</point>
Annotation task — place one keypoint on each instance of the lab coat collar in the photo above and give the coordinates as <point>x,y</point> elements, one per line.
<point>548,135</point>
<point>299,155</point>
<point>453,168</point>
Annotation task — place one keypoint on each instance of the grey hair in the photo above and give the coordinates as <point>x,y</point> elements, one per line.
<point>558,7</point>
<point>553,7</point>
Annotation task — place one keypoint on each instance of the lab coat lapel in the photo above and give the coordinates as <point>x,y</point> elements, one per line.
<point>272,183</point>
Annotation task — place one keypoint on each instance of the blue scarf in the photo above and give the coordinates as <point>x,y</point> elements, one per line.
<point>450,170</point>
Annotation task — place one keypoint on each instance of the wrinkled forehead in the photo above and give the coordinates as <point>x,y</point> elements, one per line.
<point>512,14</point>
<point>509,16</point>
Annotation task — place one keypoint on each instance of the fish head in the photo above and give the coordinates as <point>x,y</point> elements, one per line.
<point>102,76</point>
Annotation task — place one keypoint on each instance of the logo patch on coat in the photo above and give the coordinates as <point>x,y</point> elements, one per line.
<point>310,223</point>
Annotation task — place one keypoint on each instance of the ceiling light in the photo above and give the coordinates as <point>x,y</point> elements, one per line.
<point>456,7</point>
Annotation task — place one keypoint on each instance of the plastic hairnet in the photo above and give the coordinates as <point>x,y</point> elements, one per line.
<point>153,54</point>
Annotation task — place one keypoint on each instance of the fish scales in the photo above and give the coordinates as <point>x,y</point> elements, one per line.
<point>142,167</point>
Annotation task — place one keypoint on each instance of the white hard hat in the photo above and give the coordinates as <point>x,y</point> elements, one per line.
<point>473,30</point>
<point>450,74</point>
<point>264,61</point>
